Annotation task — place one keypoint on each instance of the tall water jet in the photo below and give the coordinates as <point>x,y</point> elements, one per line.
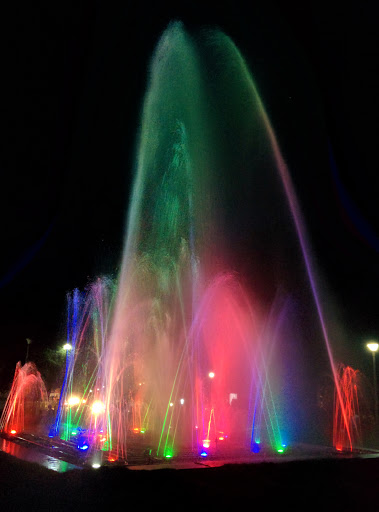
<point>168,227</point>
<point>200,340</point>
<point>25,405</point>
<point>177,316</point>
<point>88,315</point>
<point>347,432</point>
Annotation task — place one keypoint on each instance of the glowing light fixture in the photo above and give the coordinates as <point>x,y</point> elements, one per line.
<point>67,346</point>
<point>95,465</point>
<point>373,346</point>
<point>73,400</point>
<point>211,375</point>
<point>13,431</point>
<point>98,407</point>
<point>182,401</point>
<point>206,443</point>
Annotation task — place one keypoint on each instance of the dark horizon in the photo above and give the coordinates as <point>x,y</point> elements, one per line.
<point>75,79</point>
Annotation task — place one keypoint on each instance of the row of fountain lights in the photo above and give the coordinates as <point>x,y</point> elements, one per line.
<point>98,407</point>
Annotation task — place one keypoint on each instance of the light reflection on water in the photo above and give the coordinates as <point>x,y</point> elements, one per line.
<point>30,455</point>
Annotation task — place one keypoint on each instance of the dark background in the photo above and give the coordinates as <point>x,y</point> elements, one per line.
<point>74,76</point>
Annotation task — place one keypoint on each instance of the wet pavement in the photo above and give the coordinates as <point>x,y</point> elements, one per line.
<point>29,453</point>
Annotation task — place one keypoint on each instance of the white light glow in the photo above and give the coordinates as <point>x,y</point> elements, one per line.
<point>73,400</point>
<point>98,407</point>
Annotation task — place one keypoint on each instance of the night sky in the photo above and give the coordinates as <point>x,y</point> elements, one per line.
<point>74,76</point>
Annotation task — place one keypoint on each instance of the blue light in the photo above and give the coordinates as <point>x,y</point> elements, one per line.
<point>256,448</point>
<point>83,446</point>
<point>204,454</point>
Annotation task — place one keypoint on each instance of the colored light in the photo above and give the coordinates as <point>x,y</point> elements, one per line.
<point>98,407</point>
<point>204,454</point>
<point>280,450</point>
<point>13,431</point>
<point>206,443</point>
<point>256,448</point>
<point>171,404</point>
<point>83,447</point>
<point>67,346</point>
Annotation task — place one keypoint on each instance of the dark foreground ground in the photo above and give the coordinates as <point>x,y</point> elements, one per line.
<point>333,484</point>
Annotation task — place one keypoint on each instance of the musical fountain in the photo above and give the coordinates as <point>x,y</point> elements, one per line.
<point>197,347</point>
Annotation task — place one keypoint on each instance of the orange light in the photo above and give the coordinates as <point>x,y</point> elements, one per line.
<point>206,443</point>
<point>13,431</point>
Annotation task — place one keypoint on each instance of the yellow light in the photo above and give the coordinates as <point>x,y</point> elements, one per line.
<point>373,346</point>
<point>13,431</point>
<point>73,400</point>
<point>67,346</point>
<point>206,443</point>
<point>98,407</point>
